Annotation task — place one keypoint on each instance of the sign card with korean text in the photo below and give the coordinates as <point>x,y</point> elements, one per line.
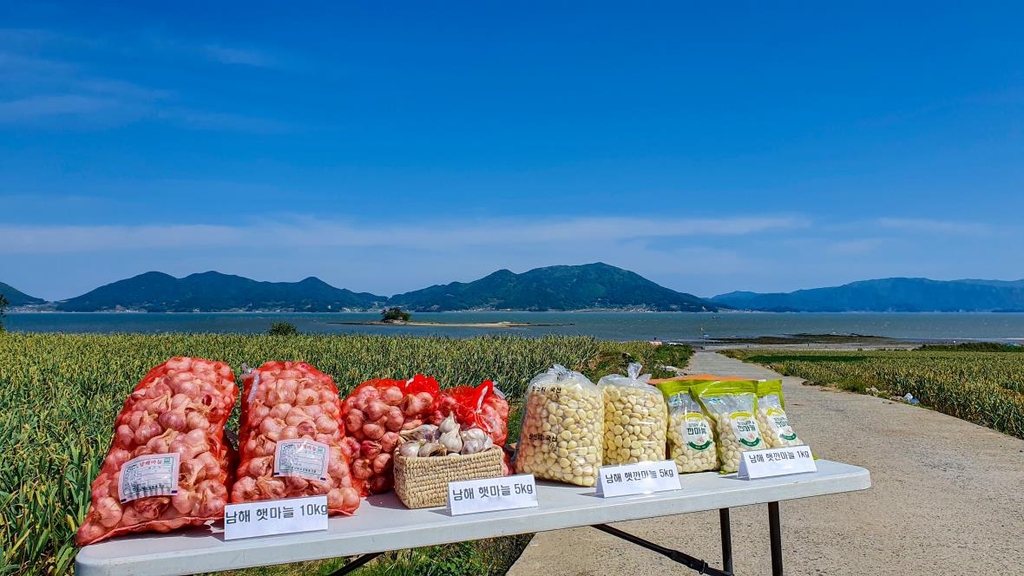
<point>268,517</point>
<point>638,478</point>
<point>490,494</point>
<point>776,462</point>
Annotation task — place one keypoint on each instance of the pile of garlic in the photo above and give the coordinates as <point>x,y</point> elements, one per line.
<point>563,428</point>
<point>445,439</point>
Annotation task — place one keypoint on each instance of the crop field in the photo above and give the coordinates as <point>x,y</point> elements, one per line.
<point>60,393</point>
<point>986,388</point>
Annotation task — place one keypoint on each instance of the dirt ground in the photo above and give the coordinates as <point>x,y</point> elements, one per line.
<point>947,497</point>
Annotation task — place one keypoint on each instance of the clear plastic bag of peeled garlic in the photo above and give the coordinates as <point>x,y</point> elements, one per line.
<point>772,417</point>
<point>635,418</point>
<point>562,436</point>
<point>691,442</point>
<point>732,405</point>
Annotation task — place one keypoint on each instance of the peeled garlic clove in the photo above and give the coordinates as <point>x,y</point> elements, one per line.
<point>451,441</point>
<point>449,424</point>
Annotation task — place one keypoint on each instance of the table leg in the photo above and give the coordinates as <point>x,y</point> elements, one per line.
<point>355,564</point>
<point>680,557</point>
<point>723,519</point>
<point>776,537</point>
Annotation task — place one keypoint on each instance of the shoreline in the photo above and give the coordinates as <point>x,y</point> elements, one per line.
<point>502,324</point>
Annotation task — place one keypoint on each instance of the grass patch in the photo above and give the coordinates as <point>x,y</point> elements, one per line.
<point>984,387</point>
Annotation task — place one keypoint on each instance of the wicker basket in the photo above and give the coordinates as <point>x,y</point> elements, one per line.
<point>423,482</point>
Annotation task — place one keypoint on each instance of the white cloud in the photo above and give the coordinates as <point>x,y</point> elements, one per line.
<point>936,226</point>
<point>34,107</point>
<point>306,232</point>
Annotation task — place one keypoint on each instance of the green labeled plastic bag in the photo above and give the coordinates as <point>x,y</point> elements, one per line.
<point>733,407</point>
<point>691,442</point>
<point>771,415</point>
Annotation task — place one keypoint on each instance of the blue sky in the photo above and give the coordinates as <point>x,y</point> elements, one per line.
<point>386,147</point>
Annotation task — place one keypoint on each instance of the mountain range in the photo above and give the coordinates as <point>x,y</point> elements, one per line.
<point>889,295</point>
<point>590,286</point>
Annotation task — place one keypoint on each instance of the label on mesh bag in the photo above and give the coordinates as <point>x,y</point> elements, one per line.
<point>302,458</point>
<point>149,475</point>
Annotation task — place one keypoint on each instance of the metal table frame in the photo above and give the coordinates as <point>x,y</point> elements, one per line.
<point>383,524</point>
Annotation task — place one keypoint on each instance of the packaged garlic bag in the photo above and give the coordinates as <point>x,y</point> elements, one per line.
<point>562,428</point>
<point>168,462</point>
<point>732,406</point>
<point>291,440</point>
<point>635,418</point>
<point>691,442</point>
<point>771,415</point>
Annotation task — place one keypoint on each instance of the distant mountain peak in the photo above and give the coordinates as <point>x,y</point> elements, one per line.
<point>213,291</point>
<point>18,298</point>
<point>560,287</point>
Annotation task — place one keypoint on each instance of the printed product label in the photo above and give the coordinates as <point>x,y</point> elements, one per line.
<point>780,424</point>
<point>149,475</point>
<point>697,433</point>
<point>302,458</point>
<point>745,428</point>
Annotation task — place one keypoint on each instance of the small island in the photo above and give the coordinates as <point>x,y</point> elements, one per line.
<point>395,316</point>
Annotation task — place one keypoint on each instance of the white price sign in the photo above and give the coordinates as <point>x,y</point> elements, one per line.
<point>639,478</point>
<point>275,517</point>
<point>490,494</point>
<point>776,462</point>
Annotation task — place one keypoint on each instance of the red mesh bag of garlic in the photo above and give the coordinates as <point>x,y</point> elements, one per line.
<point>290,440</point>
<point>168,462</point>
<point>482,406</point>
<point>374,414</point>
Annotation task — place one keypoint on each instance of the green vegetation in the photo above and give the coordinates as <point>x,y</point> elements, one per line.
<point>986,388</point>
<point>59,394</point>
<point>283,329</point>
<point>394,314</point>
<point>972,347</point>
<point>3,310</point>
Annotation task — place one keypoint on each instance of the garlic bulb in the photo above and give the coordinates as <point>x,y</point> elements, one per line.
<point>412,448</point>
<point>449,425</point>
<point>474,434</point>
<point>472,446</point>
<point>432,449</point>
<point>426,432</point>
<point>452,441</point>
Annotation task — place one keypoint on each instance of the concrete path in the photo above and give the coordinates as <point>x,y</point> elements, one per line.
<point>947,498</point>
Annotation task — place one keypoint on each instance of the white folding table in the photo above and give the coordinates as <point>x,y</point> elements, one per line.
<point>383,524</point>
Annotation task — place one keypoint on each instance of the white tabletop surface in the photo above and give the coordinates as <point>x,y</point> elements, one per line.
<point>382,523</point>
